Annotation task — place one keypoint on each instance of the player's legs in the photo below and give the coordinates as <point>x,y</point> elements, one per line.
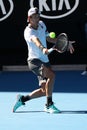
<point>46,82</point>
<point>46,89</point>
<point>46,78</point>
<point>36,67</point>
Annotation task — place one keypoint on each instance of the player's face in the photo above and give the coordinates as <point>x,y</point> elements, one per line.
<point>34,20</point>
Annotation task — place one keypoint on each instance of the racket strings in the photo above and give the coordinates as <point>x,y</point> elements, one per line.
<point>62,43</point>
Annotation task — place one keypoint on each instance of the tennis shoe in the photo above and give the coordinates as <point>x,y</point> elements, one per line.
<point>51,109</point>
<point>18,103</point>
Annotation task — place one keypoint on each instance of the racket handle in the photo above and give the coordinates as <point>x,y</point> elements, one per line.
<point>50,50</point>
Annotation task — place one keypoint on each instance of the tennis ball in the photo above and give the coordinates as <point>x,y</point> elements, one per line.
<point>52,35</point>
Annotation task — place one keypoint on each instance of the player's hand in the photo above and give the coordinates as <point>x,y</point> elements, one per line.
<point>70,47</point>
<point>45,51</point>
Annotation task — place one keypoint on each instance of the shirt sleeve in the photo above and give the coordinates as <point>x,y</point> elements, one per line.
<point>44,26</point>
<point>28,34</point>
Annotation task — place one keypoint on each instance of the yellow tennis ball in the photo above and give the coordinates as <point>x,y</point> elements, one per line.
<point>52,35</point>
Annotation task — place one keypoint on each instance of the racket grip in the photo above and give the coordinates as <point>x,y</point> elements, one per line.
<point>50,50</point>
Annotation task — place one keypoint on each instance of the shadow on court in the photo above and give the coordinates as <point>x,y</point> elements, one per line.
<point>62,112</point>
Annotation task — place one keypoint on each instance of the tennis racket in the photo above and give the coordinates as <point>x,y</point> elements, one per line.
<point>61,44</point>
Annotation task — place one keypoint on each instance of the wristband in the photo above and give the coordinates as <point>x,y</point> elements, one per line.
<point>50,50</point>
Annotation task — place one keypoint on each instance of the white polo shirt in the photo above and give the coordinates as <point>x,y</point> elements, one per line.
<point>33,51</point>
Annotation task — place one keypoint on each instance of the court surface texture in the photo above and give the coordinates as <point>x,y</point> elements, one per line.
<point>69,95</point>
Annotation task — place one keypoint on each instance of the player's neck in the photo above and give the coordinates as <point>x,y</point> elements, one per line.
<point>33,26</point>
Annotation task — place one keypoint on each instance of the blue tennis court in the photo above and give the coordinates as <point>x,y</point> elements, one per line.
<point>70,96</point>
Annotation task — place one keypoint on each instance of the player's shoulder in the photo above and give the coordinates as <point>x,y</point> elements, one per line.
<point>41,23</point>
<point>27,28</point>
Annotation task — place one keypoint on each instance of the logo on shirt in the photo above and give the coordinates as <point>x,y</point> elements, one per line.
<point>54,9</point>
<point>6,8</point>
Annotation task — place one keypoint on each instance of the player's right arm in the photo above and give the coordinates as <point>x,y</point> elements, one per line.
<point>39,45</point>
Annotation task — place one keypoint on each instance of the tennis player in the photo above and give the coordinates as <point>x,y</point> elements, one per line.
<point>36,35</point>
